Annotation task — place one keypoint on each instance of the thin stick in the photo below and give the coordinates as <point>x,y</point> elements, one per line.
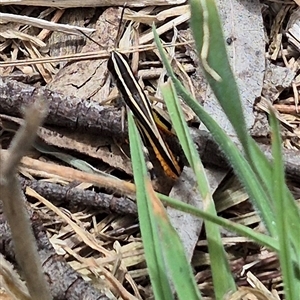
<point>14,204</point>
<point>70,29</point>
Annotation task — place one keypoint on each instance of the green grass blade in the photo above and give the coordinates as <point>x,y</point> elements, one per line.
<point>179,269</point>
<point>161,241</point>
<point>263,181</point>
<point>209,39</point>
<point>182,132</point>
<point>281,206</point>
<point>149,230</point>
<point>227,93</point>
<point>265,170</point>
<point>222,278</point>
<point>241,167</point>
<point>204,13</point>
<point>259,238</point>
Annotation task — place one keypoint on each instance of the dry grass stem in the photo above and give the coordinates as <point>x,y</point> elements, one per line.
<point>82,56</point>
<point>40,23</point>
<point>11,281</point>
<point>87,238</point>
<point>43,169</point>
<point>165,27</point>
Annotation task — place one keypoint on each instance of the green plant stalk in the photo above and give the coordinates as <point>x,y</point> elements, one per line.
<point>204,13</point>
<point>281,206</point>
<point>265,169</point>
<point>241,167</point>
<point>229,99</point>
<point>180,270</point>
<point>226,90</point>
<point>208,34</point>
<point>161,242</point>
<point>149,230</point>
<point>222,278</point>
<point>259,238</point>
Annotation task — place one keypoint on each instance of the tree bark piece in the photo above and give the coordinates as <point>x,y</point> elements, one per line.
<point>69,112</point>
<point>86,116</point>
<point>75,196</point>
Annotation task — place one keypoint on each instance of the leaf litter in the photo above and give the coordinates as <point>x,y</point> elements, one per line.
<point>105,246</point>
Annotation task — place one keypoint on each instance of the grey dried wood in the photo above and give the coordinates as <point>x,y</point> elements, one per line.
<point>74,196</point>
<point>89,116</point>
<point>69,112</point>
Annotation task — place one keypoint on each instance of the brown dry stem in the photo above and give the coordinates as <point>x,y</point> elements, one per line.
<point>13,203</point>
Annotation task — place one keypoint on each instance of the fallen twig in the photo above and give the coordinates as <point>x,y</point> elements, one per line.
<point>13,203</point>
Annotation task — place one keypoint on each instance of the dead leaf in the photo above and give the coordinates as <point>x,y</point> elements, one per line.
<point>89,79</point>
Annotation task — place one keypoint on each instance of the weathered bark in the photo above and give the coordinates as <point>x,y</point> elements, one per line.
<point>88,116</point>
<point>75,196</point>
<point>69,112</point>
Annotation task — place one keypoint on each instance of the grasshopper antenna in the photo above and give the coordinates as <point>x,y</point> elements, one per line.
<point>119,33</point>
<point>88,37</point>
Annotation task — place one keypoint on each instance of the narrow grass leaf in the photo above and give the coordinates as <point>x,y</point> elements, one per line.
<point>222,277</point>
<point>179,269</point>
<point>204,14</point>
<point>281,206</point>
<point>182,132</point>
<point>209,40</point>
<point>149,230</point>
<point>264,169</point>
<point>248,178</point>
<point>261,239</point>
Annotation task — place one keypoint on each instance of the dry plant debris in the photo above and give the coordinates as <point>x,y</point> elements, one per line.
<point>91,224</point>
